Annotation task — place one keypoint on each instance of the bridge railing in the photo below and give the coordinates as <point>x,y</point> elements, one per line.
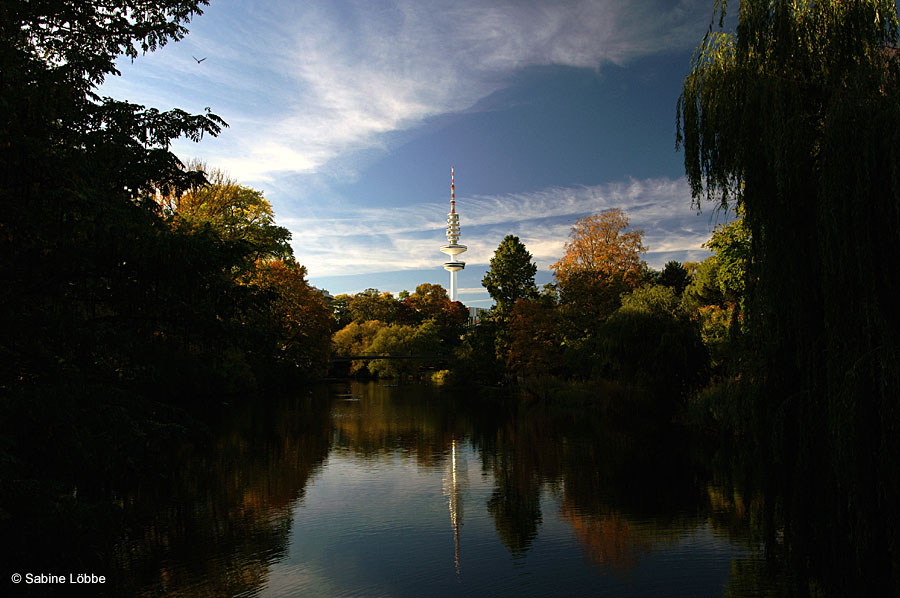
<point>371,357</point>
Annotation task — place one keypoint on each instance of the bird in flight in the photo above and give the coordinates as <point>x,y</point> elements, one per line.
<point>199,60</point>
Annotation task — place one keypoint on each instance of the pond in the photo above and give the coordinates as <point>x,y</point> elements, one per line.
<point>369,489</point>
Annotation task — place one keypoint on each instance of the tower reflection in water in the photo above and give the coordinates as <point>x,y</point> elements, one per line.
<point>456,479</point>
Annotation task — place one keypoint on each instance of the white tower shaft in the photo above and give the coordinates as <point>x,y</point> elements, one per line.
<point>453,284</point>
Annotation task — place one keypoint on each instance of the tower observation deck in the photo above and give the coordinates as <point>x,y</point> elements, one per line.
<point>453,248</point>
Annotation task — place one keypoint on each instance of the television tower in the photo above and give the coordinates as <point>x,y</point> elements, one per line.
<point>453,248</point>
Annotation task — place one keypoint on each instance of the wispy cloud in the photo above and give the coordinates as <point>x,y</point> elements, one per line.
<point>305,85</point>
<point>409,237</point>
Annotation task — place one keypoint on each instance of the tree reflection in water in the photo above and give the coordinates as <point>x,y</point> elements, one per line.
<point>225,519</point>
<point>625,493</point>
<point>622,495</point>
<point>515,504</point>
<point>225,515</point>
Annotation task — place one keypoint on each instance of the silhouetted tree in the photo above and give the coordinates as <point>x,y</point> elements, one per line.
<point>794,118</point>
<point>535,339</point>
<point>675,276</point>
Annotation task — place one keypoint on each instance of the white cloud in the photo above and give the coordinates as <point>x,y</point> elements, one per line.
<point>304,85</point>
<point>409,237</point>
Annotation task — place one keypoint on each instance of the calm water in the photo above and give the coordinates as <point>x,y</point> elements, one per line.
<point>363,489</point>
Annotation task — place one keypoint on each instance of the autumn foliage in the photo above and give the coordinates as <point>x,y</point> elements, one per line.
<point>425,324</point>
<point>604,245</point>
<point>298,320</point>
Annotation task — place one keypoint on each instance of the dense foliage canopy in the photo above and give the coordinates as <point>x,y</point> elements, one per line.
<point>794,118</point>
<point>424,324</point>
<point>238,213</point>
<point>117,315</point>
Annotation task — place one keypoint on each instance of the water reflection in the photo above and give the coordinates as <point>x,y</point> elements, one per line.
<point>622,496</point>
<point>372,420</point>
<point>367,489</point>
<point>515,504</point>
<point>456,480</point>
<point>225,516</point>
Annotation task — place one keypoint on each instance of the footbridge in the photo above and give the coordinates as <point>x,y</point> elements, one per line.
<point>340,358</point>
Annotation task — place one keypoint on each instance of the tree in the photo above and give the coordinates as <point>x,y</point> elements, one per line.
<point>299,323</point>
<point>77,177</point>
<point>340,310</point>
<point>511,275</point>
<point>704,288</point>
<point>650,342</point>
<point>430,302</point>
<point>602,262</point>
<point>675,276</point>
<point>794,118</point>
<point>658,300</point>
<point>476,354</point>
<point>586,300</point>
<point>54,124</point>
<point>535,342</point>
<point>372,304</point>
<point>733,248</point>
<point>603,245</point>
<point>238,213</point>
<point>704,300</point>
<point>355,339</point>
<point>397,339</point>
<point>102,306</point>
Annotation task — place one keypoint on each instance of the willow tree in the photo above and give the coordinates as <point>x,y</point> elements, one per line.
<point>795,117</point>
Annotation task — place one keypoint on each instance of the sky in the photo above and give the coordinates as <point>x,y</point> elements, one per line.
<point>349,114</point>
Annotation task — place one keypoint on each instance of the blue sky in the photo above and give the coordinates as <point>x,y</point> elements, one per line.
<point>349,114</point>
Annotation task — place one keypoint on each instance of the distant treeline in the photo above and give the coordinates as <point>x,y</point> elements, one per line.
<point>608,316</point>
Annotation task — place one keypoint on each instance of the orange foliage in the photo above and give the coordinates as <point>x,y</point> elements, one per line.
<point>608,538</point>
<point>602,244</point>
<point>299,315</point>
